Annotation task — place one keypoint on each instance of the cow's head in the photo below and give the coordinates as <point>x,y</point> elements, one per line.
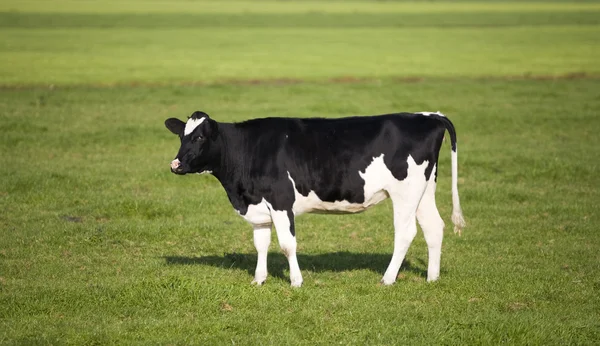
<point>197,137</point>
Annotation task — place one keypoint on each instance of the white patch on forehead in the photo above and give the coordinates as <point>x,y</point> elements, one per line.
<point>430,113</point>
<point>191,125</point>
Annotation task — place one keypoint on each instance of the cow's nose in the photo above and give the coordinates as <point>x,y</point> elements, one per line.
<point>175,164</point>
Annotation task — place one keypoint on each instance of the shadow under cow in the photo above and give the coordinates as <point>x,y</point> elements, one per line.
<point>277,263</point>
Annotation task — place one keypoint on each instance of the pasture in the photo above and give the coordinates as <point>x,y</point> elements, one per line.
<point>101,244</point>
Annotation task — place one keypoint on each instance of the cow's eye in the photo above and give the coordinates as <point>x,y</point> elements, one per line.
<point>196,139</point>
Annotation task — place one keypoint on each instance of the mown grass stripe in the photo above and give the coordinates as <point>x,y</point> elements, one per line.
<point>273,7</point>
<point>292,81</point>
<point>285,20</point>
<point>100,56</point>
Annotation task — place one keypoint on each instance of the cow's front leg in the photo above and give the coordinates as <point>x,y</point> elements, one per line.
<point>262,240</point>
<point>284,225</point>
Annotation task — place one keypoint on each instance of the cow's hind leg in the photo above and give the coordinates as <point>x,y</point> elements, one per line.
<point>433,229</point>
<point>284,225</point>
<point>262,240</point>
<point>405,229</point>
<point>405,195</point>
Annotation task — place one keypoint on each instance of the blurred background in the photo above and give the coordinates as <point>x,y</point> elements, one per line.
<point>110,42</point>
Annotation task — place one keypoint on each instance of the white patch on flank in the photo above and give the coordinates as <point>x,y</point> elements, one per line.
<point>414,181</point>
<point>430,113</point>
<point>192,124</point>
<point>378,178</point>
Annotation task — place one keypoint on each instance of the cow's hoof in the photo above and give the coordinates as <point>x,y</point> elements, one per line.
<point>258,282</point>
<point>296,283</point>
<point>387,282</point>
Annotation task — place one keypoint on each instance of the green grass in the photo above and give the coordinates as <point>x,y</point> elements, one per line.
<point>101,244</point>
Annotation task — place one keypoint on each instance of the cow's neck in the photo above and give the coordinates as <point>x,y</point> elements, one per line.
<point>230,171</point>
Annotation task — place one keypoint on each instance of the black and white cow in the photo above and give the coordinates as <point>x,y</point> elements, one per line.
<point>274,169</point>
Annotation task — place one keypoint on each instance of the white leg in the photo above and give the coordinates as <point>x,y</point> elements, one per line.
<point>262,240</point>
<point>405,195</point>
<point>433,228</point>
<point>405,229</point>
<point>405,200</point>
<point>284,227</point>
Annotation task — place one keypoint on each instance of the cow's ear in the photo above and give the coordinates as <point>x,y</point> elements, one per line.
<point>213,131</point>
<point>175,125</point>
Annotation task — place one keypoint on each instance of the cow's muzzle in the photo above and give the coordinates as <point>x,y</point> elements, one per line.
<point>176,166</point>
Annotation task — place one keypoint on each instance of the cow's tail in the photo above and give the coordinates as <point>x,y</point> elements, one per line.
<point>457,215</point>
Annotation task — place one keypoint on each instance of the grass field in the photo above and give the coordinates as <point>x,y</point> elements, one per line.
<point>101,244</point>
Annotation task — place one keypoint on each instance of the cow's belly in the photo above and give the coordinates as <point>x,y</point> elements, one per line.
<point>313,204</point>
<point>377,180</point>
